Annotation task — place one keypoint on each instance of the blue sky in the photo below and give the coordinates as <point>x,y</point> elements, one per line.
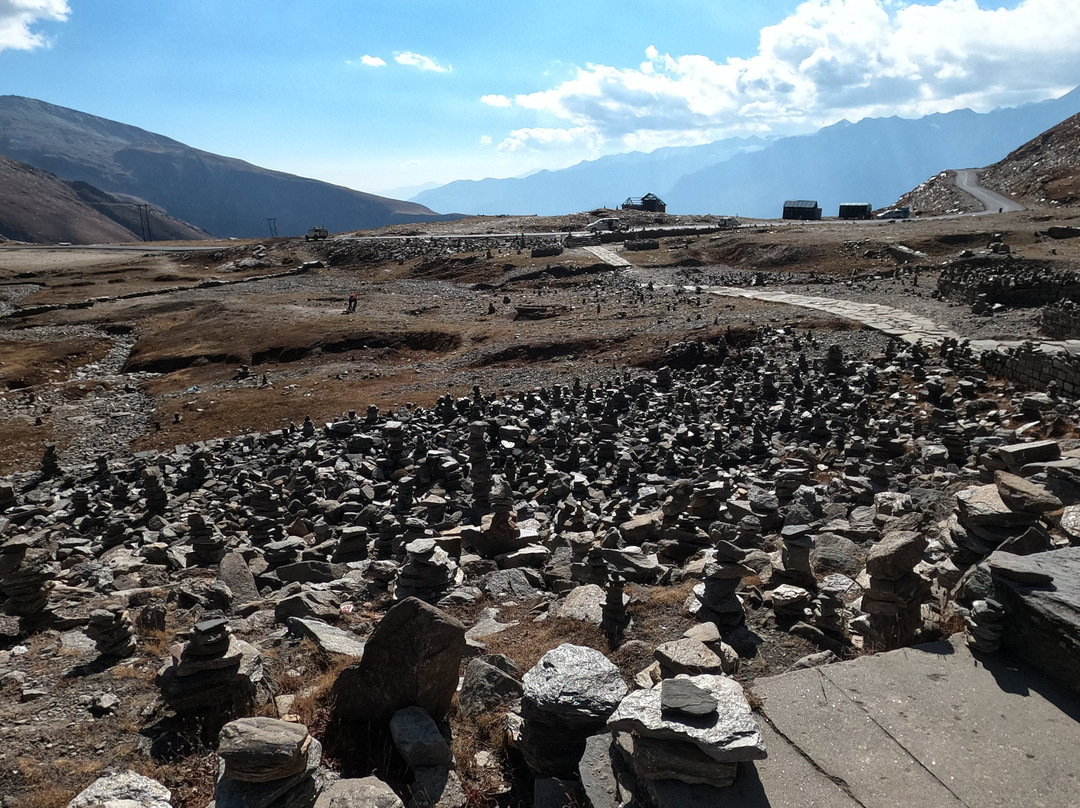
<point>385,94</point>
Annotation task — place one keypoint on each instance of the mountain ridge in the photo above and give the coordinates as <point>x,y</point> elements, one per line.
<point>224,196</point>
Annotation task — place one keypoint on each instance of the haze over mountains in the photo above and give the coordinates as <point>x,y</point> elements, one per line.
<point>875,160</point>
<point>221,195</point>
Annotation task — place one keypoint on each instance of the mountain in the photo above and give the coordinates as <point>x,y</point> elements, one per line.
<point>875,160</point>
<point>37,206</point>
<point>222,195</point>
<point>1044,170</point>
<point>607,181</point>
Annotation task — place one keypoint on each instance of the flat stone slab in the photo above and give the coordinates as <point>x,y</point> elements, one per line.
<point>1041,595</point>
<point>931,723</point>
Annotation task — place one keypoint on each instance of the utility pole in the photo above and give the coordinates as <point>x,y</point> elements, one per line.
<point>144,221</point>
<point>272,222</point>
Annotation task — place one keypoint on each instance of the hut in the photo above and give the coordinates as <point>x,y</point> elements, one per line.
<point>650,202</point>
<point>855,210</point>
<point>806,209</point>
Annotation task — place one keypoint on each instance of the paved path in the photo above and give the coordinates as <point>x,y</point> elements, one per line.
<point>608,256</point>
<point>895,322</point>
<point>907,326</point>
<point>967,180</point>
<point>925,726</point>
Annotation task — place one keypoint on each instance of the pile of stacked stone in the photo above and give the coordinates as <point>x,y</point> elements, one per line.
<point>27,574</point>
<point>264,523</point>
<point>352,544</point>
<point>703,468</point>
<point>267,763</point>
<point>112,631</point>
<point>984,625</point>
<point>567,696</point>
<point>213,677</point>
<point>429,573</point>
<point>207,544</point>
<point>715,599</point>
<point>894,597</point>
<point>683,738</point>
<point>50,462</point>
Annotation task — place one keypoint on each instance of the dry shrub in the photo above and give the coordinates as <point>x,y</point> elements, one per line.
<point>190,779</point>
<point>483,733</point>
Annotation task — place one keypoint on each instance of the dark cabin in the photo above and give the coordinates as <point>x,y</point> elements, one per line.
<point>805,209</point>
<point>650,202</point>
<point>855,210</point>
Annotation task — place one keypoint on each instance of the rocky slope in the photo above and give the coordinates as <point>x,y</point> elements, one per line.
<point>1045,170</point>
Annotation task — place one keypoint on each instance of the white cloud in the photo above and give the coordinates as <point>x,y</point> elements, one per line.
<point>496,100</point>
<point>372,61</point>
<point>486,140</point>
<point>422,62</point>
<point>17,18</point>
<point>828,60</point>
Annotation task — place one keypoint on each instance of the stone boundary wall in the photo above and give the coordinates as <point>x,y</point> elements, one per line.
<point>1061,320</point>
<point>1010,282</point>
<point>1030,367</point>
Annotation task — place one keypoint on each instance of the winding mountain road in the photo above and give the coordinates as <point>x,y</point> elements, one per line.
<point>967,180</point>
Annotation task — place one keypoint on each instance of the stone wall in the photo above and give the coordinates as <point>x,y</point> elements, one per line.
<point>1030,367</point>
<point>1061,320</point>
<point>1012,282</point>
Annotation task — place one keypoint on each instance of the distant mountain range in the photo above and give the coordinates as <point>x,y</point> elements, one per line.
<point>875,160</point>
<point>220,195</point>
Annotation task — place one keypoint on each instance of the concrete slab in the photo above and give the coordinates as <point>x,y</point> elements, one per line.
<point>930,725</point>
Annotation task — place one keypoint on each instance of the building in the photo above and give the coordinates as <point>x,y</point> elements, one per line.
<point>650,202</point>
<point>806,209</point>
<point>855,210</point>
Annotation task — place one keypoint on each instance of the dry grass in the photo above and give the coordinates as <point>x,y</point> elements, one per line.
<point>529,641</point>
<point>483,733</point>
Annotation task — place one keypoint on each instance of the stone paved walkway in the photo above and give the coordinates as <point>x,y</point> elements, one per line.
<point>608,256</point>
<point>896,322</point>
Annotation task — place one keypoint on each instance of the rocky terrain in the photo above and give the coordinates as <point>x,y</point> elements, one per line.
<point>525,528</point>
<point>1044,170</point>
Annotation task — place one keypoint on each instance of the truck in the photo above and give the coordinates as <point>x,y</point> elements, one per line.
<point>316,233</point>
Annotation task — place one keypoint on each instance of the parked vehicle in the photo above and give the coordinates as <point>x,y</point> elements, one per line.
<point>316,233</point>
<point>605,225</point>
<point>895,213</point>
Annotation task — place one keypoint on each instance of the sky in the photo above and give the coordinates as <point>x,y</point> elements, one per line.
<point>385,95</point>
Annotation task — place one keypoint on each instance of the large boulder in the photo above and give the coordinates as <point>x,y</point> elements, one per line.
<point>125,790</point>
<point>412,658</point>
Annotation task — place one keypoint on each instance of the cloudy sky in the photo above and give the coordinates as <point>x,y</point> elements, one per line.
<point>384,94</point>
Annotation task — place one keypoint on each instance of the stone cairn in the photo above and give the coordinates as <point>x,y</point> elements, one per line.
<point>27,574</point>
<point>153,490</point>
<point>429,573</point>
<point>693,730</point>
<point>212,677</point>
<point>207,544</point>
<point>983,625</point>
<point>556,724</point>
<point>112,631</point>
<point>895,595</point>
<point>50,462</point>
<point>479,466</point>
<point>268,763</point>
<point>714,599</point>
